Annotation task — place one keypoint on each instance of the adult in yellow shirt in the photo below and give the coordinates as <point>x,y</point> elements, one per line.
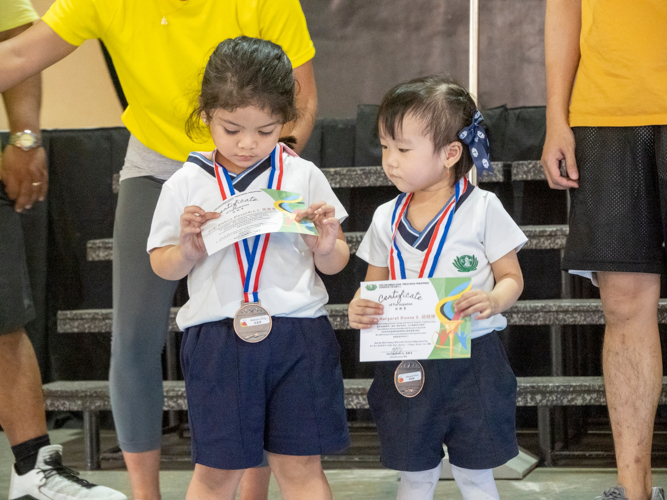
<point>159,49</point>
<point>610,127</point>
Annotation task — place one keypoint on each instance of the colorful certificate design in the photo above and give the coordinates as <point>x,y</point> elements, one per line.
<point>418,321</point>
<point>250,213</point>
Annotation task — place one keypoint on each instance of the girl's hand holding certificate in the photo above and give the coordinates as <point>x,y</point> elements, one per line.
<point>363,313</point>
<point>329,247</point>
<point>476,302</point>
<point>329,233</point>
<point>191,242</point>
<point>328,227</point>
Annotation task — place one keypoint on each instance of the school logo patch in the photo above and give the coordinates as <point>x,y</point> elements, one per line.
<point>465,263</point>
<point>370,288</point>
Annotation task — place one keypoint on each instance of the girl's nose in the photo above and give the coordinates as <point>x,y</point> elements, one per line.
<point>388,159</point>
<point>246,141</point>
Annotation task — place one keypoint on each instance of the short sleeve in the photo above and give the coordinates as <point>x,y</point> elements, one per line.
<point>76,21</point>
<point>166,225</point>
<point>15,13</point>
<point>319,189</point>
<point>283,22</point>
<point>374,248</point>
<point>501,233</point>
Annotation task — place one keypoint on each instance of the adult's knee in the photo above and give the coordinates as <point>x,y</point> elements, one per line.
<point>627,297</point>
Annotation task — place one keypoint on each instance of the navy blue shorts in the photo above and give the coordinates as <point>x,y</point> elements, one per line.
<point>284,394</point>
<point>467,404</point>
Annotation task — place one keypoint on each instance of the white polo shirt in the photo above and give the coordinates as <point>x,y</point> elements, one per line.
<point>289,285</point>
<point>481,233</point>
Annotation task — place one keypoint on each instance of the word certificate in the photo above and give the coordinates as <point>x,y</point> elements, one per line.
<point>255,212</point>
<point>419,321</point>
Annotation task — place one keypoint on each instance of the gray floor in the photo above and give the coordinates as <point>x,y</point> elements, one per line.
<point>543,483</point>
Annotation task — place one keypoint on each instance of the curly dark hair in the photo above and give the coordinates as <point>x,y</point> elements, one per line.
<point>444,106</point>
<point>242,72</point>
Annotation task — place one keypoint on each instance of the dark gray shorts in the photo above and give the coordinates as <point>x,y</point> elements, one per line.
<point>16,308</point>
<point>618,216</point>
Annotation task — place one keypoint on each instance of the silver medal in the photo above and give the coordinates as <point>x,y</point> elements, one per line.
<point>252,322</point>
<point>409,378</point>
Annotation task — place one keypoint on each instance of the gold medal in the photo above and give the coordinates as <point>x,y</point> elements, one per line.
<point>409,378</point>
<point>252,322</point>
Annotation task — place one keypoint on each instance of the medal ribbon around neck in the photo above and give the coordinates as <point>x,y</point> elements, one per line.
<point>431,257</point>
<point>250,265</point>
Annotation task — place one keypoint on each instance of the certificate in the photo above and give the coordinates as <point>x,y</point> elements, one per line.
<point>250,213</point>
<point>419,321</point>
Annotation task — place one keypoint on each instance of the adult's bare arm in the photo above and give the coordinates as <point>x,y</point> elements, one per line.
<point>29,53</point>
<point>23,173</point>
<point>306,103</point>
<point>562,29</point>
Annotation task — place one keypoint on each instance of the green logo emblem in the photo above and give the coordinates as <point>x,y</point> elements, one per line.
<point>465,263</point>
<point>370,288</point>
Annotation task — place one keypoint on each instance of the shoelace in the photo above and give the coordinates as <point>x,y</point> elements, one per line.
<point>58,469</point>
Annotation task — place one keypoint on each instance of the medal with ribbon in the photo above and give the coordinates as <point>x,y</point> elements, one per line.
<point>409,375</point>
<point>252,322</point>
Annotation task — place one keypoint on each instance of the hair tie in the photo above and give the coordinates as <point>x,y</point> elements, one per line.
<point>475,137</point>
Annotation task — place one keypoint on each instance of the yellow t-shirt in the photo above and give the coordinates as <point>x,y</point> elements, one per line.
<point>160,65</point>
<point>622,75</point>
<point>15,13</point>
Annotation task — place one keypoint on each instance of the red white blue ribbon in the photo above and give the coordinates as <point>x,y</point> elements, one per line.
<point>434,250</point>
<point>250,263</point>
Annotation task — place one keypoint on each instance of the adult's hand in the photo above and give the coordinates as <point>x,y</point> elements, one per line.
<point>25,176</point>
<point>562,29</point>
<point>558,146</point>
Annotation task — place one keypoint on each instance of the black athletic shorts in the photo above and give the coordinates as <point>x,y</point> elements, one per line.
<point>16,308</point>
<point>618,215</point>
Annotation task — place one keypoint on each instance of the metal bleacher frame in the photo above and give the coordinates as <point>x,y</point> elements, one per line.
<point>545,393</point>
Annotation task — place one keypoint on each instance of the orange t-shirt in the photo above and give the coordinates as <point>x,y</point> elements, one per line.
<point>622,75</point>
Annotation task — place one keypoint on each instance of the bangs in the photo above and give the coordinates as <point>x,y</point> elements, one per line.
<point>400,102</point>
<point>442,106</point>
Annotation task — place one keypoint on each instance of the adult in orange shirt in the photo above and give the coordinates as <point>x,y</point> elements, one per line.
<point>610,127</point>
<point>159,49</point>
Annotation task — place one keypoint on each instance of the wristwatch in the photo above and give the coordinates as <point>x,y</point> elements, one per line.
<point>25,140</point>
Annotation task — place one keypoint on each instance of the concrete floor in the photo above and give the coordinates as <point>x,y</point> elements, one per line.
<point>359,484</point>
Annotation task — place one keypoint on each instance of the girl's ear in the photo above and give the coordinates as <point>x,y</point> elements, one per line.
<point>204,118</point>
<point>451,154</point>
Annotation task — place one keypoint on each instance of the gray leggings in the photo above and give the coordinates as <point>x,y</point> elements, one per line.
<point>141,302</point>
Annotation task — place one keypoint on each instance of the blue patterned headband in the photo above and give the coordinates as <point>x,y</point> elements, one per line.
<point>475,137</point>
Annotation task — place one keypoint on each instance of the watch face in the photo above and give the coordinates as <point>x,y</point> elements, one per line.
<point>25,141</point>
